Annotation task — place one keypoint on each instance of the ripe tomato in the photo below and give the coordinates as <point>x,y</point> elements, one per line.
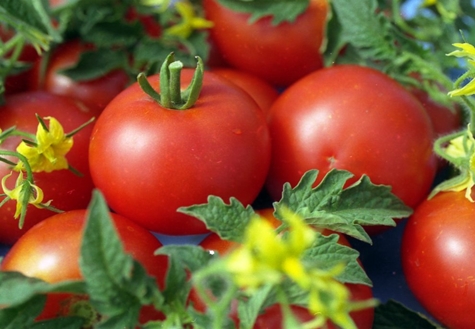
<point>279,54</point>
<point>95,93</point>
<point>437,256</point>
<point>272,317</point>
<point>50,251</point>
<point>67,190</point>
<point>148,160</point>
<point>357,119</point>
<point>262,92</point>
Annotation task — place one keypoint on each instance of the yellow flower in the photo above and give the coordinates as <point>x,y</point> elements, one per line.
<point>49,151</point>
<point>189,21</point>
<point>466,51</point>
<point>266,257</point>
<point>463,147</point>
<point>18,192</point>
<point>428,3</point>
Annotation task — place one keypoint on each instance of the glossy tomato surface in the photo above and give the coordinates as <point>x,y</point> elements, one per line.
<point>357,119</point>
<point>260,90</point>
<point>67,190</point>
<point>96,93</point>
<point>148,160</point>
<point>437,254</point>
<point>50,251</point>
<point>279,54</point>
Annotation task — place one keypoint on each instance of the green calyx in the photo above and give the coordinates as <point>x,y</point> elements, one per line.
<point>171,95</point>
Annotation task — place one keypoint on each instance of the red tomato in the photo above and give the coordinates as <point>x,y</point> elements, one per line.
<point>67,190</point>
<point>357,119</point>
<point>50,251</point>
<point>272,317</point>
<point>261,91</point>
<point>95,93</point>
<point>148,160</point>
<point>437,256</point>
<point>279,54</point>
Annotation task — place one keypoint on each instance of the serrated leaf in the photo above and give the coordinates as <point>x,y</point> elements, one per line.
<point>365,28</point>
<point>394,315</point>
<point>330,206</point>
<point>281,11</point>
<point>16,288</point>
<point>229,221</point>
<point>327,253</point>
<point>117,284</point>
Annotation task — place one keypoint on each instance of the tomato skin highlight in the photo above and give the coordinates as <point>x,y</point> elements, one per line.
<point>437,253</point>
<point>149,161</point>
<point>50,251</point>
<point>67,190</point>
<point>357,119</point>
<point>278,54</point>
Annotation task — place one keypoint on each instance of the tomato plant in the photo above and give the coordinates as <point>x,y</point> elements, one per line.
<point>272,316</point>
<point>95,93</point>
<point>149,160</point>
<point>279,54</point>
<point>437,252</point>
<point>50,251</point>
<point>353,118</point>
<point>68,190</point>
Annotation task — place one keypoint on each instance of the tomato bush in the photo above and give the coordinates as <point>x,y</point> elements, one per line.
<point>50,251</point>
<point>437,251</point>
<point>149,160</point>
<point>353,118</point>
<point>279,54</point>
<point>67,190</point>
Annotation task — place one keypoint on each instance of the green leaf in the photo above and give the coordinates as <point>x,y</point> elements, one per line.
<point>22,315</point>
<point>181,258</point>
<point>394,315</point>
<point>70,322</point>
<point>281,11</point>
<point>94,64</point>
<point>365,28</point>
<point>117,284</point>
<point>228,221</point>
<point>326,252</point>
<point>16,288</point>
<point>330,206</point>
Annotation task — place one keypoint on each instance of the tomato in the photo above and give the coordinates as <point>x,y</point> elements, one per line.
<point>67,190</point>
<point>261,91</point>
<point>437,253</point>
<point>50,251</point>
<point>357,119</point>
<point>272,317</point>
<point>279,54</point>
<point>95,93</point>
<point>148,160</point>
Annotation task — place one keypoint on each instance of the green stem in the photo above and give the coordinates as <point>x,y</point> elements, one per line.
<point>171,96</point>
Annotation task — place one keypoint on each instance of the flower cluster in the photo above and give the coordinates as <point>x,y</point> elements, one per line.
<point>266,257</point>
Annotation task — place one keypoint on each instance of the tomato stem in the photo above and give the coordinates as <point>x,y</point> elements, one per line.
<point>171,96</point>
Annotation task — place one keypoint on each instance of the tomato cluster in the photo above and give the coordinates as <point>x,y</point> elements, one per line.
<point>267,114</point>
